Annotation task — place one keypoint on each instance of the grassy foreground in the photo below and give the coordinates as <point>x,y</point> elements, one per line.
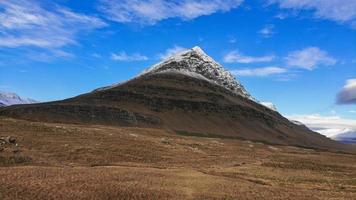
<point>62,161</point>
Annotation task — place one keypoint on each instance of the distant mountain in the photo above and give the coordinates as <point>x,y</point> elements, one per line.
<point>345,135</point>
<point>342,130</point>
<point>189,94</point>
<point>8,99</point>
<point>348,137</point>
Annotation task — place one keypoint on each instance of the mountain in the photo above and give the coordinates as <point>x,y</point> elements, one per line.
<point>348,136</point>
<point>7,99</point>
<point>344,135</point>
<point>334,127</point>
<point>187,94</point>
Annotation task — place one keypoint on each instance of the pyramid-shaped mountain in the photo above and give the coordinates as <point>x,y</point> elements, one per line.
<point>188,93</point>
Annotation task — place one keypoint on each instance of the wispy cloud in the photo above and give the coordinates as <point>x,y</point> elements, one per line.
<point>152,11</point>
<point>171,51</point>
<point>281,16</point>
<point>309,58</point>
<point>26,23</point>
<point>263,71</point>
<point>341,11</point>
<point>123,56</point>
<point>330,126</point>
<point>267,31</point>
<point>237,57</point>
<point>95,55</point>
<point>348,93</point>
<point>49,55</point>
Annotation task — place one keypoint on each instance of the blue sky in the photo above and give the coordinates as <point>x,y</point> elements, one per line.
<point>300,55</point>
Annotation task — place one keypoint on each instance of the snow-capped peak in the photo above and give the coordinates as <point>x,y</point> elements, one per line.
<point>8,98</point>
<point>196,63</point>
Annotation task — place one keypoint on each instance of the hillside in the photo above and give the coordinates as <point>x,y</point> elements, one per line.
<point>67,161</point>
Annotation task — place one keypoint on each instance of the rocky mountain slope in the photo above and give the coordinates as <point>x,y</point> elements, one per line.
<point>197,64</point>
<point>187,94</point>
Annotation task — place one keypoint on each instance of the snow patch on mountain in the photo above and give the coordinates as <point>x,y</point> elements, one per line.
<point>8,99</point>
<point>269,105</point>
<point>196,63</point>
<point>297,122</point>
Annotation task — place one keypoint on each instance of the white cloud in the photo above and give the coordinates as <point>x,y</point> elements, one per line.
<point>309,58</point>
<point>264,71</point>
<point>336,10</point>
<point>237,57</point>
<point>171,51</point>
<point>123,56</point>
<point>348,93</point>
<point>29,23</point>
<point>267,31</point>
<point>152,11</point>
<point>331,126</point>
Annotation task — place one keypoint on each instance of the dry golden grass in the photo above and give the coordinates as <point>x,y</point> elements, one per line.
<point>61,161</point>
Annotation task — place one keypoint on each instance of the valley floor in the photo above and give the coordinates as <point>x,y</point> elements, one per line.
<point>66,161</point>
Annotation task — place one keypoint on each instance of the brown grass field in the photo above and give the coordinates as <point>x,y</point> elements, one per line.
<point>67,161</point>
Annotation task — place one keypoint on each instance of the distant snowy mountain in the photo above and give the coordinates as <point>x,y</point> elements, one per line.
<point>345,135</point>
<point>334,127</point>
<point>8,99</point>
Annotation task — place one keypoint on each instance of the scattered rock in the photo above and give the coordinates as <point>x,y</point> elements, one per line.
<point>165,141</point>
<point>16,150</point>
<point>8,142</point>
<point>133,135</point>
<point>273,148</point>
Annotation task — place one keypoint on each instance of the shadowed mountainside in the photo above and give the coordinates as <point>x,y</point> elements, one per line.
<point>176,102</point>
